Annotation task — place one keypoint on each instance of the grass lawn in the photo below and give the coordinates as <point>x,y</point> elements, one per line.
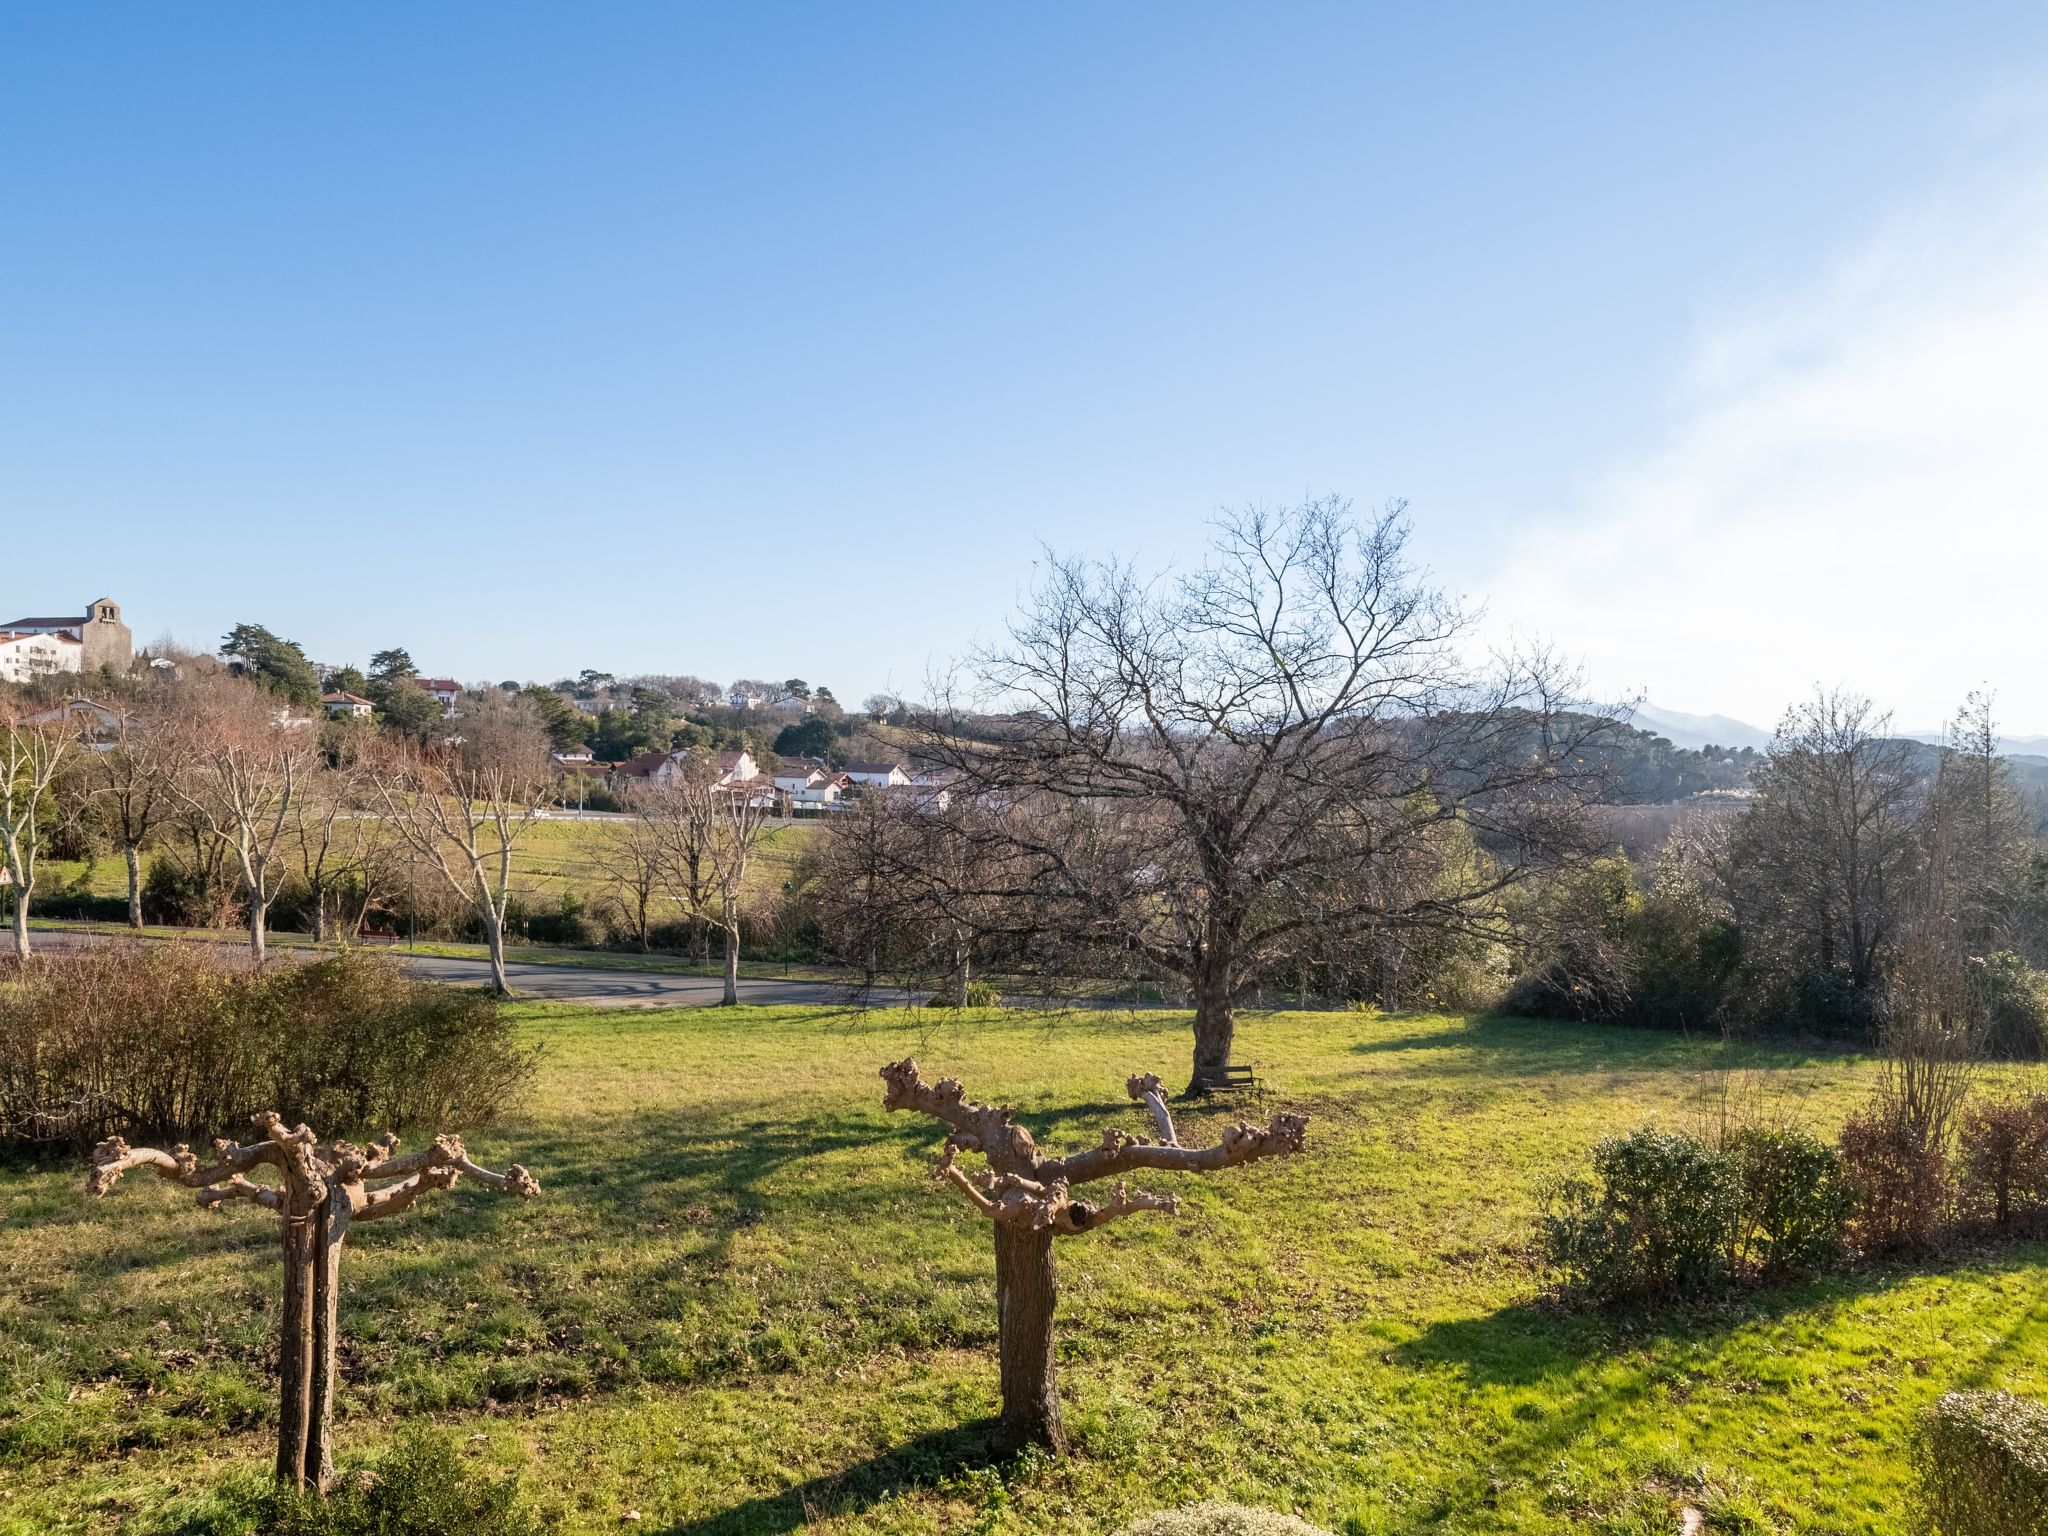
<point>552,856</point>
<point>740,1304</point>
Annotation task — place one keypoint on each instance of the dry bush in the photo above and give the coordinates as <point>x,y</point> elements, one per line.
<point>1901,1180</point>
<point>179,1042</point>
<point>2002,1162</point>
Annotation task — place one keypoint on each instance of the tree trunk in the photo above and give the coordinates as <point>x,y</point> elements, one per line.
<point>328,1236</point>
<point>20,920</point>
<point>1215,1023</point>
<point>257,913</point>
<point>494,938</point>
<point>295,1349</point>
<point>732,961</point>
<point>319,915</point>
<point>134,886</point>
<point>1026,1289</point>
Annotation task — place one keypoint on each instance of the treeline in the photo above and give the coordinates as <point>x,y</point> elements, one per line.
<point>1800,912</point>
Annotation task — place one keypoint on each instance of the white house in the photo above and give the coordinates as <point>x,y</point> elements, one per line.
<point>662,769</point>
<point>445,690</point>
<point>342,703</point>
<point>741,698</point>
<point>878,775</point>
<point>27,654</point>
<point>821,794</point>
<point>790,778</point>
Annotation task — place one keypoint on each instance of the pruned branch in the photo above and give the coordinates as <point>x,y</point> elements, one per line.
<point>1149,1091</point>
<point>1025,1190</point>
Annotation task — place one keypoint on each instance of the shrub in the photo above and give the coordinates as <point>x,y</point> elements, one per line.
<point>1982,1461</point>
<point>1656,1221</point>
<point>173,1041</point>
<point>1215,1519</point>
<point>420,1487</point>
<point>1900,1180</point>
<point>976,994</point>
<point>2015,1003</point>
<point>1828,1002</point>
<point>1795,1203</point>
<point>2002,1161</point>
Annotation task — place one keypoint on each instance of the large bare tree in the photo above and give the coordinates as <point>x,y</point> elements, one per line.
<point>135,777</point>
<point>709,831</point>
<point>251,763</point>
<point>1826,854</point>
<point>342,839</point>
<point>318,1192</point>
<point>1215,773</point>
<point>31,751</point>
<point>1030,1200</point>
<point>464,805</point>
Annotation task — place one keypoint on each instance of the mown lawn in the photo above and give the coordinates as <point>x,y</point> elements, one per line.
<point>552,857</point>
<point>740,1304</point>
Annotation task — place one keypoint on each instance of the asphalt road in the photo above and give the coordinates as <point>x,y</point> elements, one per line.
<point>549,983</point>
<point>572,984</point>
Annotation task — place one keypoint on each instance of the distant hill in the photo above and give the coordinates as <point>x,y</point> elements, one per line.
<point>1697,731</point>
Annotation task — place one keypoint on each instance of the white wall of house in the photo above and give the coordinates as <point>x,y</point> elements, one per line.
<point>26,656</point>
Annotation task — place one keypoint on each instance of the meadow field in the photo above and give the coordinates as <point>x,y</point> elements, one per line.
<point>740,1304</point>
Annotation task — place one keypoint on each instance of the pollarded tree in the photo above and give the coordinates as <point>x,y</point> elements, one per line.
<point>319,1193</point>
<point>1030,1201</point>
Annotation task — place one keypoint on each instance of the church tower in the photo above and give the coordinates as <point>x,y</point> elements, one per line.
<point>108,642</point>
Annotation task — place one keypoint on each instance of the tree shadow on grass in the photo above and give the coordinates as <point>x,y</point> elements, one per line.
<point>1566,1355</point>
<point>1495,1045</point>
<point>852,1490</point>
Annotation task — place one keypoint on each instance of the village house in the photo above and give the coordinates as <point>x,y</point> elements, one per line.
<point>29,654</point>
<point>824,793</point>
<point>663,769</point>
<point>340,704</point>
<point>445,691</point>
<point>878,775</point>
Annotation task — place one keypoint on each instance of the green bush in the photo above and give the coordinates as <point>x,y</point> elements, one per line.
<point>1795,1205</point>
<point>421,1487</point>
<point>1655,1222</point>
<point>1982,1461</point>
<point>180,1042</point>
<point>2015,1002</point>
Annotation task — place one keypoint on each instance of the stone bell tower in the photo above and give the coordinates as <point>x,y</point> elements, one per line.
<point>108,642</point>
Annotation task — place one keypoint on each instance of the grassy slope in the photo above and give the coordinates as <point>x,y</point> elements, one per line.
<point>740,1304</point>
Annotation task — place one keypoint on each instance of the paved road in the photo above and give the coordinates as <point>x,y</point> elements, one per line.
<point>550,983</point>
<point>568,983</point>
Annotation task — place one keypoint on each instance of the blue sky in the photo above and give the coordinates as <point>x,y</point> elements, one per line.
<point>773,340</point>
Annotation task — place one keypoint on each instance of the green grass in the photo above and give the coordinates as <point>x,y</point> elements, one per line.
<point>551,857</point>
<point>741,1305</point>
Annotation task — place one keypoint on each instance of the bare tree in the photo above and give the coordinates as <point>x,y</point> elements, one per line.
<point>341,837</point>
<point>635,855</point>
<point>1824,857</point>
<point>251,763</point>
<point>30,754</point>
<point>1208,774</point>
<point>463,807</point>
<point>1029,1198</point>
<point>319,1192</point>
<point>135,778</point>
<point>712,830</point>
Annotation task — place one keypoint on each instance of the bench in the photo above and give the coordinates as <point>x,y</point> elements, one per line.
<point>1225,1079</point>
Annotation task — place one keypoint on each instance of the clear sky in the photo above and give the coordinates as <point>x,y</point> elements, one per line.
<point>773,339</point>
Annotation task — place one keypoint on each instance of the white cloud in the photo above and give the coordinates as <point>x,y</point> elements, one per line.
<point>1854,490</point>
